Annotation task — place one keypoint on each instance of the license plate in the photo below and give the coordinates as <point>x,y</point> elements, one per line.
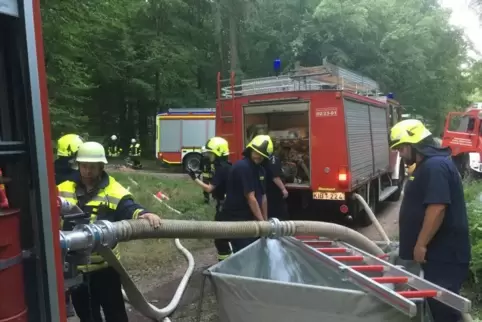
<point>318,195</point>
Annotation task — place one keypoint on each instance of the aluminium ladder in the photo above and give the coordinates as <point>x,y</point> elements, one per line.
<point>371,273</point>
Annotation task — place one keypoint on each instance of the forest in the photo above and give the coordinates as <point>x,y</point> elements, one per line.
<point>114,64</point>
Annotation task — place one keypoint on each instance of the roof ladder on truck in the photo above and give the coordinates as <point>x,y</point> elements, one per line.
<point>365,269</point>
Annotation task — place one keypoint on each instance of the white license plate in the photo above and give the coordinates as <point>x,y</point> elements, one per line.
<point>318,195</point>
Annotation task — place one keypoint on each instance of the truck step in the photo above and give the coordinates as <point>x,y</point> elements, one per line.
<point>387,192</point>
<point>370,273</point>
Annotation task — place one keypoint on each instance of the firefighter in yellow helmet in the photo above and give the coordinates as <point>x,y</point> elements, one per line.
<point>246,191</point>
<point>103,198</point>
<point>433,225</point>
<point>67,147</point>
<point>217,151</point>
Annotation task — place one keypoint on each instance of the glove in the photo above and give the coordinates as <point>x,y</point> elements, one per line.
<point>192,174</point>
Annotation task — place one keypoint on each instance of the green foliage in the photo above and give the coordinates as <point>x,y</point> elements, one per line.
<point>473,193</point>
<point>113,64</point>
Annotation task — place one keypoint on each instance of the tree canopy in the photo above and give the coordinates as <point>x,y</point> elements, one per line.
<point>114,64</point>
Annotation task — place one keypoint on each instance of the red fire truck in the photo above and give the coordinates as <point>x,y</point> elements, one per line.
<point>31,281</point>
<point>463,134</point>
<point>331,129</point>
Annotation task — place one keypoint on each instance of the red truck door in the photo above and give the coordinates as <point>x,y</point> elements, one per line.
<point>461,132</point>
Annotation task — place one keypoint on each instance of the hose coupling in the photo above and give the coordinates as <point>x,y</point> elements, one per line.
<point>105,230</point>
<point>276,229</point>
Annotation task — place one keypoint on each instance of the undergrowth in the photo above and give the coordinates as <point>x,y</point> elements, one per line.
<point>473,197</point>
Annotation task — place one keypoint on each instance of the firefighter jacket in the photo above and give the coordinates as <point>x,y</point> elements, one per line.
<point>109,201</point>
<point>207,169</point>
<point>113,151</point>
<point>135,150</point>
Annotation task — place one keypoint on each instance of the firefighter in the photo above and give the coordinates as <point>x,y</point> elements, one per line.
<point>276,192</point>
<point>113,149</point>
<point>433,223</point>
<point>216,151</point>
<point>67,147</point>
<point>101,196</point>
<point>207,172</point>
<point>135,153</point>
<point>245,192</point>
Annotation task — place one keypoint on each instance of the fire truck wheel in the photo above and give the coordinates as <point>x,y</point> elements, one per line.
<point>192,161</point>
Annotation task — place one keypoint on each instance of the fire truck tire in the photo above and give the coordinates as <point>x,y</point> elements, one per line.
<point>193,161</point>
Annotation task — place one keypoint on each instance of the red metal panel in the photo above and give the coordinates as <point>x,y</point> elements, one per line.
<point>328,141</point>
<point>12,299</point>
<point>49,156</point>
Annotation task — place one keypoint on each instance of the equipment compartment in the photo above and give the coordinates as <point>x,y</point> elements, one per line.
<point>367,133</point>
<point>288,127</point>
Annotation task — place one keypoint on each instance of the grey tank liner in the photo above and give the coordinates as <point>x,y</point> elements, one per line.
<point>247,290</point>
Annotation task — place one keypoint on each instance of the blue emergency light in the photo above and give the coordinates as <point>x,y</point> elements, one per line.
<point>391,95</point>
<point>277,66</point>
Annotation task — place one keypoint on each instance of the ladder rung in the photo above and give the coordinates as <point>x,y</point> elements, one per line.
<point>353,258</point>
<point>318,243</point>
<point>418,294</point>
<point>306,237</point>
<point>334,250</point>
<point>391,279</point>
<point>368,268</point>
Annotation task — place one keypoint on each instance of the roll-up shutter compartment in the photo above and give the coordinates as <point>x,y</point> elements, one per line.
<point>357,119</point>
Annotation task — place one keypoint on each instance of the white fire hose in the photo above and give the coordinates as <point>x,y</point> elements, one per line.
<point>373,218</point>
<point>132,294</point>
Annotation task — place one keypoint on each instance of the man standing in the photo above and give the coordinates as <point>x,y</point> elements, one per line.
<point>246,191</point>
<point>276,192</point>
<point>135,154</point>
<point>433,217</point>
<point>103,198</point>
<point>113,149</point>
<point>217,152</point>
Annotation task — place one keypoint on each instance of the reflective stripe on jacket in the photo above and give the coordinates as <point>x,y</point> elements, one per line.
<point>102,206</point>
<point>135,150</point>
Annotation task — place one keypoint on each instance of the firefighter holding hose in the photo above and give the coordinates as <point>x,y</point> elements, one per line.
<point>246,191</point>
<point>217,151</point>
<point>103,198</point>
<point>433,222</point>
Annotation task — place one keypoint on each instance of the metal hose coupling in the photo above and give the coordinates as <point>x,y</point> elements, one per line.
<point>281,228</point>
<point>89,237</point>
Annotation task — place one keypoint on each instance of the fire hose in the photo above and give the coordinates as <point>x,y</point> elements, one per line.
<point>101,236</point>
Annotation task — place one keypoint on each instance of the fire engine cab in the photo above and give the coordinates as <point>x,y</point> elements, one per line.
<point>463,134</point>
<point>32,287</point>
<point>330,127</point>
